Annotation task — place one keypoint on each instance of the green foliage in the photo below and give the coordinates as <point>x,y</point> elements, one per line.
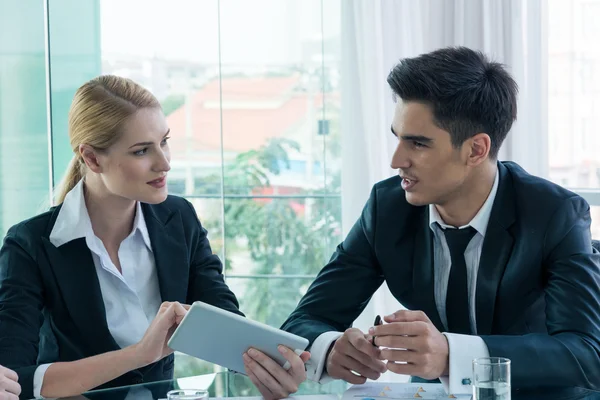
<point>172,103</point>
<point>190,366</point>
<point>286,236</point>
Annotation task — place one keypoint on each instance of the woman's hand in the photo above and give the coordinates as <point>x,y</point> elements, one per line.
<point>153,346</point>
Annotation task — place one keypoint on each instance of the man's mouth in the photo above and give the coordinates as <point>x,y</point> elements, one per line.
<point>408,183</point>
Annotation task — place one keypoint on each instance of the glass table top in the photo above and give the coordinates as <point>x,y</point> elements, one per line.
<point>229,384</point>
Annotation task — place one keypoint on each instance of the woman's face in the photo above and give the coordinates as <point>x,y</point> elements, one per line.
<point>136,166</point>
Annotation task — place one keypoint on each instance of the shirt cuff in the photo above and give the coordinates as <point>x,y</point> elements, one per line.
<point>38,380</point>
<point>318,357</point>
<point>462,349</point>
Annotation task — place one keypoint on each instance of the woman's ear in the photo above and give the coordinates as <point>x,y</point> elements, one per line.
<point>90,157</point>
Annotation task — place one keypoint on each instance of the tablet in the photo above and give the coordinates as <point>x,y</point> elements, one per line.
<point>222,337</point>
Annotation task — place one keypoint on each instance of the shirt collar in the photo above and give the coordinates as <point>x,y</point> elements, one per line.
<point>479,221</point>
<point>73,221</point>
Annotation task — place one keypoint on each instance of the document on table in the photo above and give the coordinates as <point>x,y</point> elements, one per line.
<point>299,397</point>
<point>399,391</point>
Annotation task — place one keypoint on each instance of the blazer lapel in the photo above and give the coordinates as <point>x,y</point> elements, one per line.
<point>165,229</point>
<point>76,276</point>
<point>496,251</point>
<point>423,281</point>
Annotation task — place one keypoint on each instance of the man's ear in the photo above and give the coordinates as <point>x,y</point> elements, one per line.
<point>479,148</point>
<point>90,157</point>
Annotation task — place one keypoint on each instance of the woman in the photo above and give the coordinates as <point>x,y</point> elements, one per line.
<point>101,280</point>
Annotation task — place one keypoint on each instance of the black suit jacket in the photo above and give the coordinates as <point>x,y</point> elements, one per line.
<point>51,307</point>
<point>538,285</point>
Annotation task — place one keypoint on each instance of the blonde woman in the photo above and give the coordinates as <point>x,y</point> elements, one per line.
<point>91,290</point>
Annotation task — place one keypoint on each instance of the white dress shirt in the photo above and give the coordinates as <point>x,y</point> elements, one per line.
<point>463,348</point>
<point>131,298</point>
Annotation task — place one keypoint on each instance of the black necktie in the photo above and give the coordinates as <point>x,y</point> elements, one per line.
<point>457,297</point>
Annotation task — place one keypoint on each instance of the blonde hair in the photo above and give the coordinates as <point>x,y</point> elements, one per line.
<point>99,110</point>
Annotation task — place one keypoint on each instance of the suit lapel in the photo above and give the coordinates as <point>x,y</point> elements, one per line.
<point>165,229</point>
<point>423,281</point>
<point>496,251</point>
<point>76,276</point>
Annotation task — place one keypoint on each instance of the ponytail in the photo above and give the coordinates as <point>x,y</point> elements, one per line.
<point>72,177</point>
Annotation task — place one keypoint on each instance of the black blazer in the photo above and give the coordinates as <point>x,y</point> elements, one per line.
<point>538,285</point>
<point>51,307</point>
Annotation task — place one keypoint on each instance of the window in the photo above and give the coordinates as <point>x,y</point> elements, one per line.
<point>251,94</point>
<point>24,167</point>
<point>573,106</point>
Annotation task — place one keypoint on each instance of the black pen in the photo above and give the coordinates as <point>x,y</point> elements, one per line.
<point>377,322</point>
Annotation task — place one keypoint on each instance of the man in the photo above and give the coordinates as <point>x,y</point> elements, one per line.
<point>488,260</point>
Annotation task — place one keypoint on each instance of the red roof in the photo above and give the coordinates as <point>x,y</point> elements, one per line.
<point>254,110</point>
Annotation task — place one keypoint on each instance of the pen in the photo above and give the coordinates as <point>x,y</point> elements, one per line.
<point>377,322</point>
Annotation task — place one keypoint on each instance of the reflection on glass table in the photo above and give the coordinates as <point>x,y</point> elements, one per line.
<point>221,384</point>
<point>228,384</point>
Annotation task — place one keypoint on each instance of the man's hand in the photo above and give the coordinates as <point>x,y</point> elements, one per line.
<point>9,384</point>
<point>414,340</point>
<point>273,381</point>
<point>354,352</point>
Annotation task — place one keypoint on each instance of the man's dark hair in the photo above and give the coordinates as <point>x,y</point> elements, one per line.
<point>467,93</point>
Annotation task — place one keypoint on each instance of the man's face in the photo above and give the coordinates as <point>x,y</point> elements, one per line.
<point>433,171</point>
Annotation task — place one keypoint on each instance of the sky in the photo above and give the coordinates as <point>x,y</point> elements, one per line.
<point>252,32</point>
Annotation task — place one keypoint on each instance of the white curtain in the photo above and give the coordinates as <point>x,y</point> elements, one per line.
<point>377,33</point>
